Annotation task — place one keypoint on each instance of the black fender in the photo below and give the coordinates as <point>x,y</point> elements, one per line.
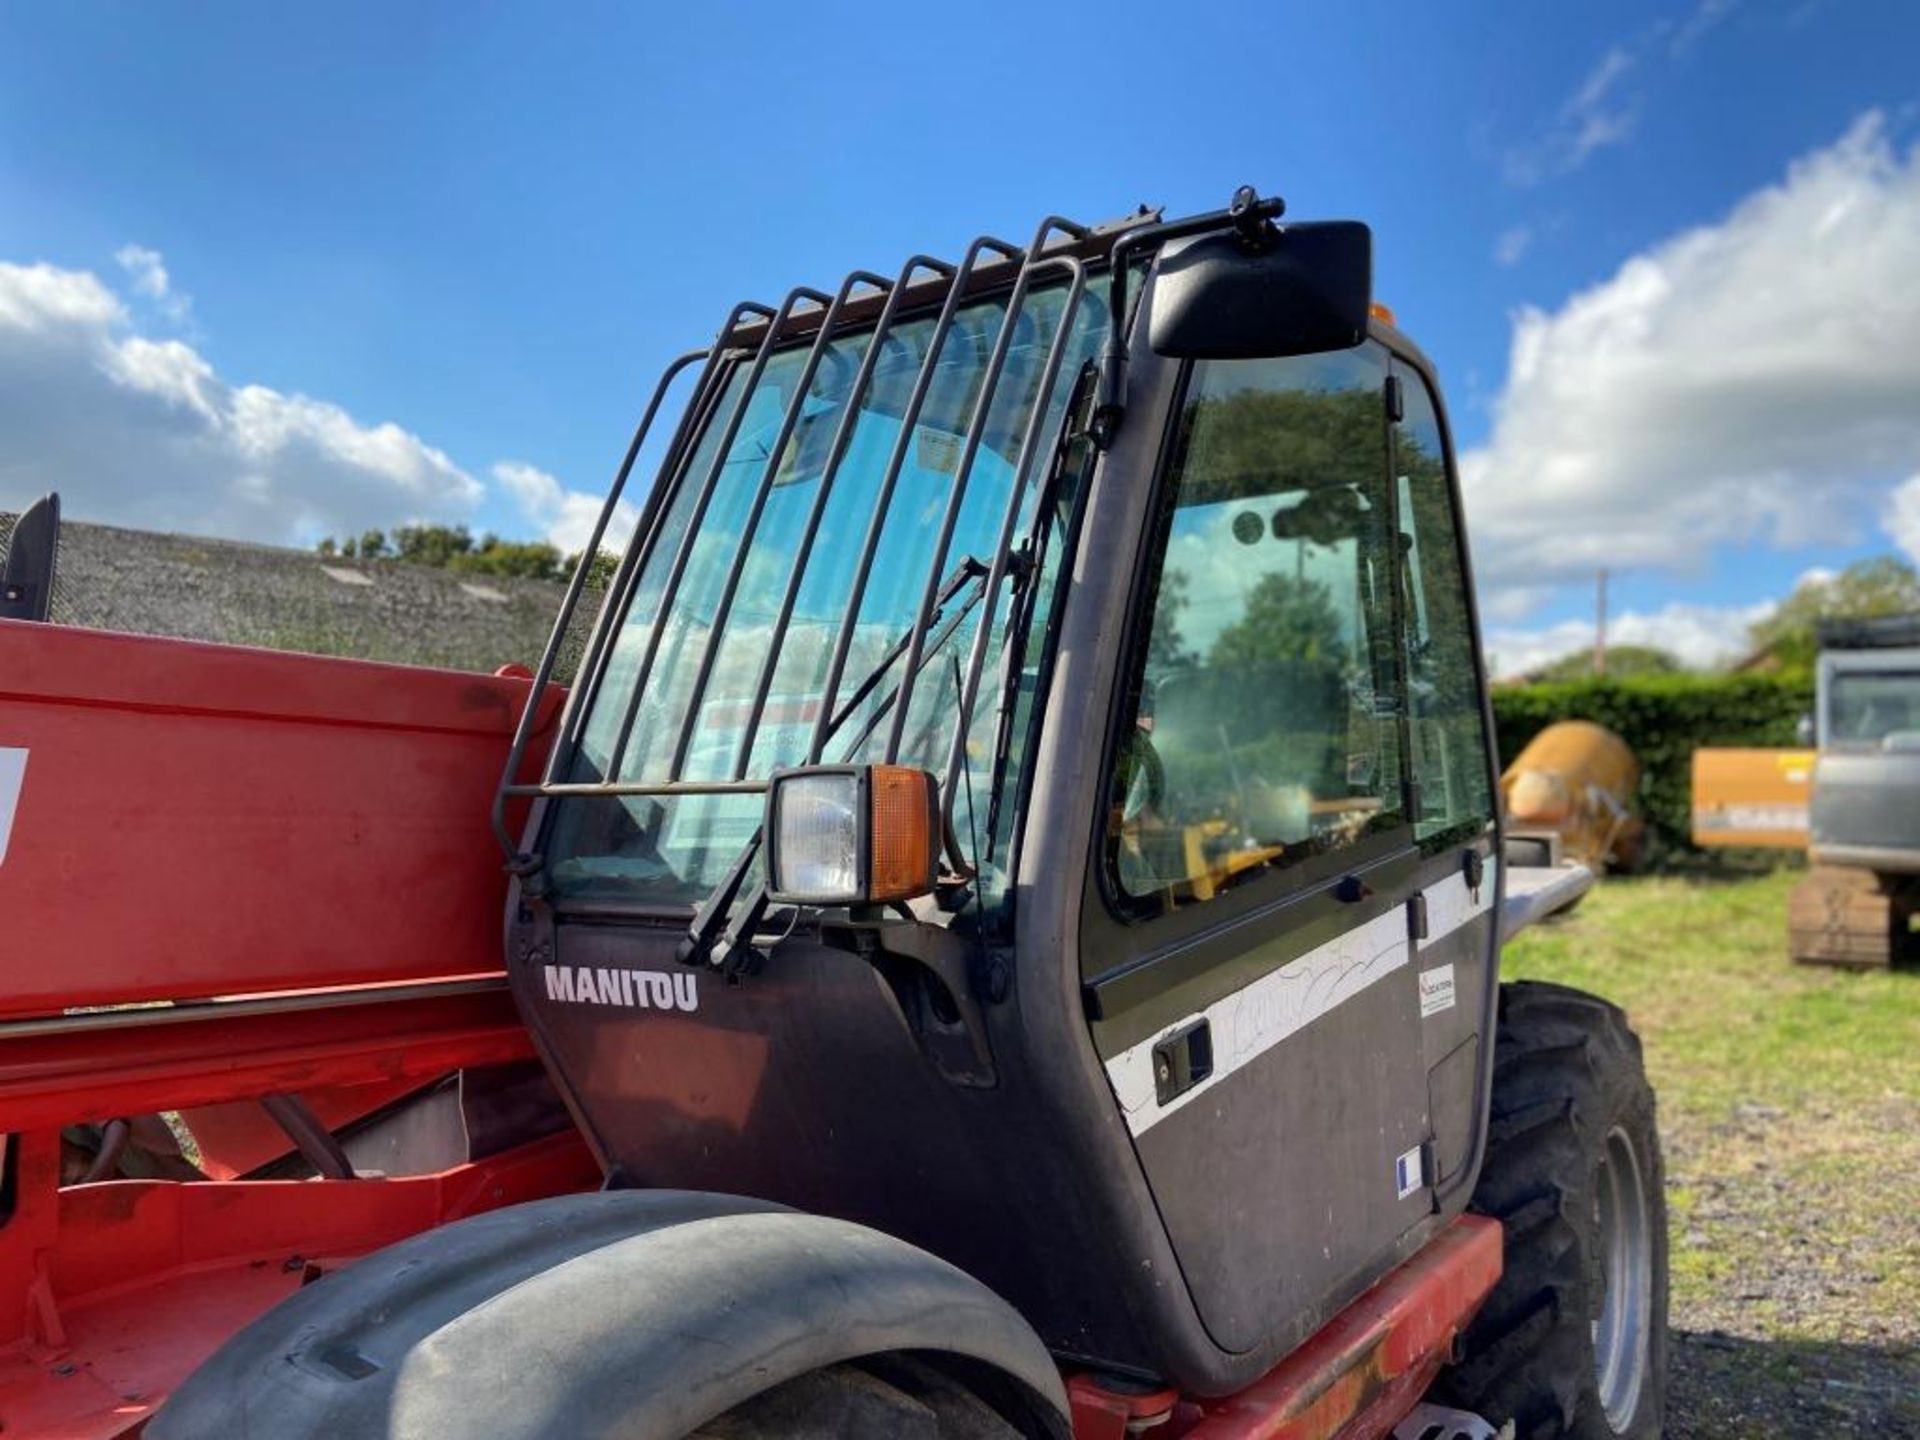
<point>635,1314</point>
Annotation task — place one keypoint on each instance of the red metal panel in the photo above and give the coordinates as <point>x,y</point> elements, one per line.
<point>201,819</point>
<point>111,1294</point>
<point>1366,1368</point>
<point>66,1076</point>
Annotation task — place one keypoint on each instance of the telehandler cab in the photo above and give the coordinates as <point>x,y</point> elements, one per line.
<point>1013,902</point>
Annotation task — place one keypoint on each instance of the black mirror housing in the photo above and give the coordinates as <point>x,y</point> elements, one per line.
<point>1299,290</point>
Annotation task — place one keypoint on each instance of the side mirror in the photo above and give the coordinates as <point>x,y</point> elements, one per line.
<point>1297,290</point>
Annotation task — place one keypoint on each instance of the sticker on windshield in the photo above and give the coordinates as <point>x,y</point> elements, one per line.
<point>939,451</point>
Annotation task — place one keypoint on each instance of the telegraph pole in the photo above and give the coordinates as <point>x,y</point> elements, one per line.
<point>1600,625</point>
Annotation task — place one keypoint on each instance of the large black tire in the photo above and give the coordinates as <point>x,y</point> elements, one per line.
<point>1573,1174</point>
<point>886,1397</point>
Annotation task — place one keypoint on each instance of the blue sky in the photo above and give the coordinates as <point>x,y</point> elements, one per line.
<point>487,227</point>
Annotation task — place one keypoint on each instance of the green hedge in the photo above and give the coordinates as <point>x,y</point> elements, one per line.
<point>1665,718</point>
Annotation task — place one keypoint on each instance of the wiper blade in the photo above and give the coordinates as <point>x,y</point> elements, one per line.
<point>970,569</point>
<point>709,922</point>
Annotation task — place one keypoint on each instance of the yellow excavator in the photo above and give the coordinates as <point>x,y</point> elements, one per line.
<point>1852,802</point>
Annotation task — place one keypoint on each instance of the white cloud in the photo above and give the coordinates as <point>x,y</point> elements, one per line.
<point>1700,635</point>
<point>147,272</point>
<point>1512,245</point>
<point>1604,109</point>
<point>1704,17</point>
<point>1750,381</point>
<point>145,266</point>
<point>43,300</point>
<point>143,432</point>
<point>1511,603</point>
<point>1597,114</point>
<point>566,516</point>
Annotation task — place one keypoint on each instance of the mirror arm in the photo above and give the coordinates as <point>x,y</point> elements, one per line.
<point>1248,214</point>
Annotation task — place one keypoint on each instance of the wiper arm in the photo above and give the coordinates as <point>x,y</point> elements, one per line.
<point>709,919</point>
<point>1075,425</point>
<point>971,567</point>
<point>710,923</point>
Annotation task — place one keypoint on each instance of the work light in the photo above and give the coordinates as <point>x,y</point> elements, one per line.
<point>851,834</point>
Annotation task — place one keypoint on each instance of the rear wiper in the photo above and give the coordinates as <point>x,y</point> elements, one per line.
<point>710,929</point>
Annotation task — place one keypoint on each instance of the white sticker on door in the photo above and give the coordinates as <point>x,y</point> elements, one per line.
<point>1436,990</point>
<point>1408,1173</point>
<point>13,770</point>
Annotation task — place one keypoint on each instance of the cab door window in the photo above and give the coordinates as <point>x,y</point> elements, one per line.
<point>1452,780</point>
<point>1264,715</point>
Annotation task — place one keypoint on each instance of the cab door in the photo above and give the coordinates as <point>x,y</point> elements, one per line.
<point>1249,949</point>
<point>1453,769</point>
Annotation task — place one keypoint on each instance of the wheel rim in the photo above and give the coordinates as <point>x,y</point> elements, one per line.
<point>1622,1308</point>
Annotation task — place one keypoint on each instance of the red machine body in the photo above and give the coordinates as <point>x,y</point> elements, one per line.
<point>232,874</point>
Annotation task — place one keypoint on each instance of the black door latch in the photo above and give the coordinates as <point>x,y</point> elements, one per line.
<point>1182,1060</point>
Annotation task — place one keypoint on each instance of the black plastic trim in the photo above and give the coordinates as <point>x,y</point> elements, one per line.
<point>650,1312</point>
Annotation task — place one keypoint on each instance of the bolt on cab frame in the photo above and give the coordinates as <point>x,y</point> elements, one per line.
<point>1029,789</point>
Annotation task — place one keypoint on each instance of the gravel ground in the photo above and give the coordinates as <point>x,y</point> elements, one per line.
<point>239,594</point>
<point>1790,1117</point>
<point>1804,1236</point>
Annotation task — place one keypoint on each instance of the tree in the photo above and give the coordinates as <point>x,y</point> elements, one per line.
<point>1880,585</point>
<point>1286,621</point>
<point>599,572</point>
<point>452,547</point>
<point>514,559</point>
<point>1166,647</point>
<point>1624,662</point>
<point>436,545</point>
<point>1257,443</point>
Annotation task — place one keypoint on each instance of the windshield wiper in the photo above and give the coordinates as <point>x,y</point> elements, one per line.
<point>710,929</point>
<point>970,568</point>
<point>1075,426</point>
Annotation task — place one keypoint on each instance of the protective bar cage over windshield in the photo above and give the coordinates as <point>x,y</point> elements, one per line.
<point>855,530</point>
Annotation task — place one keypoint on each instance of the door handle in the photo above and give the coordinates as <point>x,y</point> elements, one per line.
<point>1182,1060</point>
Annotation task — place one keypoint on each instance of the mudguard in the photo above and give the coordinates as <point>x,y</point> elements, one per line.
<point>635,1314</point>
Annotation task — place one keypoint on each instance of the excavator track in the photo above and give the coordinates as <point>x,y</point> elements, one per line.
<point>1852,919</point>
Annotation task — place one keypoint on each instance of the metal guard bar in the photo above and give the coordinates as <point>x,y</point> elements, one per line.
<point>758,330</point>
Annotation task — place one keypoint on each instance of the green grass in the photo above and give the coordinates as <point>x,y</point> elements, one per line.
<point>1789,1103</point>
<point>1701,966</point>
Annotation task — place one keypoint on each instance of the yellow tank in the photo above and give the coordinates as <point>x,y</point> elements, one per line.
<point>1578,780</point>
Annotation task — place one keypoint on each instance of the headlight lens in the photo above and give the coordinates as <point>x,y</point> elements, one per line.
<point>852,835</point>
<point>816,849</point>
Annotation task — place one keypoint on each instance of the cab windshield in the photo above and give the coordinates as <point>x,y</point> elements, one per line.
<point>1866,706</point>
<point>742,680</point>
